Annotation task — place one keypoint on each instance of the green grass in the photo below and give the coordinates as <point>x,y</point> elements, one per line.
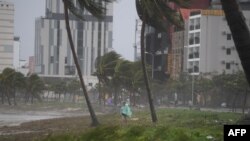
<point>173,125</point>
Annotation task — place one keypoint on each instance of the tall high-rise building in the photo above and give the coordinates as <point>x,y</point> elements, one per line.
<point>31,64</point>
<point>137,44</point>
<point>16,53</point>
<point>6,34</point>
<point>92,38</point>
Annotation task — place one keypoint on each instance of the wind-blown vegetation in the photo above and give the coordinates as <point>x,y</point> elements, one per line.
<point>14,85</point>
<point>160,15</point>
<point>119,78</point>
<point>174,124</point>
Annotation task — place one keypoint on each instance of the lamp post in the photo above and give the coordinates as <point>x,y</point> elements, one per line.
<point>192,88</point>
<point>152,56</point>
<point>193,75</point>
<point>192,83</point>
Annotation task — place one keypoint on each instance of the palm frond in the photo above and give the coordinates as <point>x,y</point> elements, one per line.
<point>74,10</point>
<point>158,13</point>
<point>94,7</point>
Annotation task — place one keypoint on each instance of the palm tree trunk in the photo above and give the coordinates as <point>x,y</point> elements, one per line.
<point>8,97</point>
<point>234,102</point>
<point>32,99</point>
<point>27,97</point>
<point>150,99</point>
<point>244,102</point>
<point>59,97</point>
<point>91,110</point>
<point>134,97</point>
<point>2,97</point>
<point>115,96</point>
<point>14,97</point>
<point>240,32</point>
<point>99,91</point>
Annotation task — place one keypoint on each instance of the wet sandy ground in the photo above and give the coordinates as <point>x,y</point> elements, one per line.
<point>27,126</point>
<point>16,117</point>
<point>39,129</point>
<point>26,122</point>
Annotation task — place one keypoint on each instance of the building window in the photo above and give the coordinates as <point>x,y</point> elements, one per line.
<point>191,27</point>
<point>228,51</point>
<point>8,48</point>
<point>93,26</point>
<point>42,23</point>
<point>228,66</point>
<point>80,43</point>
<point>196,54</point>
<point>229,36</point>
<point>191,39</point>
<point>80,51</point>
<point>197,38</point>
<point>106,26</point>
<point>66,60</point>
<point>191,56</point>
<point>80,26</point>
<point>51,59</point>
<point>197,24</point>
<point>196,69</point>
<point>196,66</point>
<point>191,67</point>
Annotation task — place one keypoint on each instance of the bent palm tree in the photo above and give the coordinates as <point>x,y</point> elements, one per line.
<point>157,14</point>
<point>8,82</point>
<point>35,87</point>
<point>105,69</point>
<point>19,84</point>
<point>97,10</point>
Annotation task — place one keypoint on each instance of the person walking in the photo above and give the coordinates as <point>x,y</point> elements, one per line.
<point>125,112</point>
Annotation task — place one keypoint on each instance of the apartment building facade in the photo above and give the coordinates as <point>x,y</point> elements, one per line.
<point>156,46</point>
<point>210,47</point>
<point>156,51</point>
<point>177,54</point>
<point>6,35</point>
<point>92,38</point>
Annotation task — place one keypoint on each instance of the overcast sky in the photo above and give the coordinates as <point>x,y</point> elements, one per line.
<point>124,25</point>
